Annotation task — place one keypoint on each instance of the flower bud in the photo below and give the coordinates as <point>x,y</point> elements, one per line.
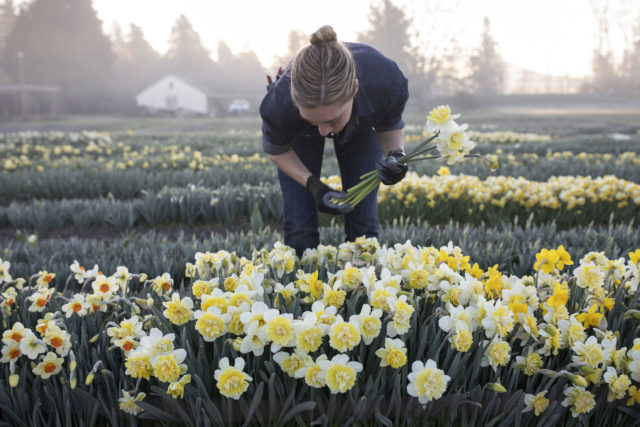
<point>89,379</point>
<point>13,380</point>
<point>366,256</point>
<point>494,165</point>
<point>578,380</point>
<point>237,343</point>
<point>142,277</point>
<point>73,382</point>
<point>551,330</point>
<point>94,338</point>
<point>497,387</point>
<point>587,370</point>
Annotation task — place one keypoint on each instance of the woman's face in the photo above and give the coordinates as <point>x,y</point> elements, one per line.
<point>329,118</point>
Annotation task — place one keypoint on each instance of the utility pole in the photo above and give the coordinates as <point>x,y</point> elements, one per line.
<point>23,94</point>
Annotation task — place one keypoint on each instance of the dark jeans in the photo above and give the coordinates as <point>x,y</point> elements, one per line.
<point>356,157</point>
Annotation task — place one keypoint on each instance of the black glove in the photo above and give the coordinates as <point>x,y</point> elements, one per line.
<point>390,170</point>
<point>323,194</point>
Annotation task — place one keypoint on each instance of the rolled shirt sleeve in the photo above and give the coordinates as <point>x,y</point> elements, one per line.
<point>392,120</point>
<point>280,119</point>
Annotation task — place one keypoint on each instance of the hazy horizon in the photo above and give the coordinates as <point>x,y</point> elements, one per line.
<point>545,36</point>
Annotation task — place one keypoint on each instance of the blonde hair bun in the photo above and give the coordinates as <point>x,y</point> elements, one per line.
<point>324,35</point>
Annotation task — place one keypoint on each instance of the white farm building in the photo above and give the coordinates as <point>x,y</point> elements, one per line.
<point>174,94</point>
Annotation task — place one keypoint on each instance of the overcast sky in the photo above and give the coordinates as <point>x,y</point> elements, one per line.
<point>547,36</point>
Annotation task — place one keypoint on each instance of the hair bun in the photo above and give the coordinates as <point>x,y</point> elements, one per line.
<point>324,35</point>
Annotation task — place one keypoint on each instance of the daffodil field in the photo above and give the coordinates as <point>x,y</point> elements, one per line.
<point>143,281</point>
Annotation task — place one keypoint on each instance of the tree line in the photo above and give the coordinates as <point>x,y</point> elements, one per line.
<point>61,43</point>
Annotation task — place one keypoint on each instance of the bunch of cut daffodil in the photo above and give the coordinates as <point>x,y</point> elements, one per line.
<point>445,135</point>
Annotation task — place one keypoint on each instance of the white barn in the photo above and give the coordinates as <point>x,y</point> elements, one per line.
<point>174,94</point>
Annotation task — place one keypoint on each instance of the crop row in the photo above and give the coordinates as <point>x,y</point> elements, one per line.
<point>511,246</point>
<point>568,201</point>
<point>354,334</point>
<point>93,182</point>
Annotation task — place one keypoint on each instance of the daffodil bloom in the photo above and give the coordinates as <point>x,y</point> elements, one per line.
<point>31,346</point>
<point>459,318</point>
<point>497,353</point>
<point>44,278</point>
<point>77,305</point>
<point>104,286</point>
<point>529,364</point>
<point>580,400</point>
<point>426,381</point>
<point>536,402</point>
<point>232,381</point>
<point>10,352</point>
<point>168,367</point>
<point>312,373</point>
<point>334,295</point>
<point>16,333</point>
<point>634,396</point>
<point>128,403</point>
<point>162,284</point>
<point>498,319</point>
<point>280,331</point>
<point>344,336</point>
<point>157,343</point>
<point>59,339</point>
<point>393,354</point>
<point>370,323</point>
<point>176,388</point>
<point>211,323</point>
<point>4,271</point>
<point>204,287</point>
<point>564,258</point>
<point>291,363</point>
<point>309,283</point>
<point>50,365</point>
<point>217,298</point>
<point>618,384</point>
<point>179,311</point>
<point>546,261</point>
<point>402,312</point>
<point>138,363</point>
<point>340,373</point>
<point>591,317</point>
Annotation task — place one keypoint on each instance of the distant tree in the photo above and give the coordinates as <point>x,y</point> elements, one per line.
<point>136,65</point>
<point>295,41</point>
<point>187,56</point>
<point>225,56</point>
<point>487,66</point>
<point>605,78</point>
<point>421,38</point>
<point>389,32</point>
<point>63,45</point>
<point>239,74</point>
<point>630,66</point>
<point>7,19</point>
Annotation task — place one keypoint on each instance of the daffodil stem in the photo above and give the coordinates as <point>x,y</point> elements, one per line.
<point>361,184</point>
<point>368,174</point>
<point>365,191</point>
<point>419,148</point>
<point>417,159</point>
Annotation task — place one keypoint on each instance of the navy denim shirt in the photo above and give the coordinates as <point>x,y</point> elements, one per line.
<point>378,104</point>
